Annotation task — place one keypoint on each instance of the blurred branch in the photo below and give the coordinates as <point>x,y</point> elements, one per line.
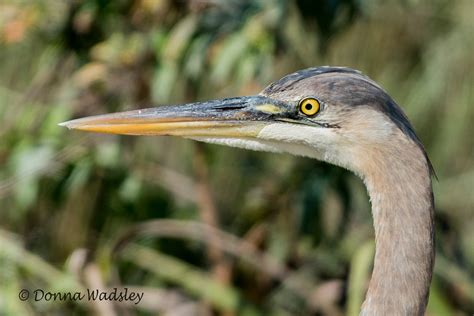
<point>222,297</point>
<point>93,279</point>
<point>229,243</point>
<point>222,268</point>
<point>199,231</point>
<point>358,278</point>
<point>459,279</point>
<point>169,302</point>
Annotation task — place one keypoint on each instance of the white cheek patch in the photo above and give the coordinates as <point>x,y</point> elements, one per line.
<point>319,139</point>
<point>314,142</point>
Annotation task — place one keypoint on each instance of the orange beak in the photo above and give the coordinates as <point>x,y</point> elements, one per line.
<point>232,117</point>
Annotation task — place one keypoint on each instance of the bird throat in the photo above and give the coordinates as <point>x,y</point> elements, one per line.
<point>402,206</point>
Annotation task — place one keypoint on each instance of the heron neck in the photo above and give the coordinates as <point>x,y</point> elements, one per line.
<point>399,184</point>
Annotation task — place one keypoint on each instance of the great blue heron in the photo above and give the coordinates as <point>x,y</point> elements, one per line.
<point>336,115</point>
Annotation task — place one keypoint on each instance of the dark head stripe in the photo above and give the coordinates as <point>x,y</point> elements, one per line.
<point>291,79</point>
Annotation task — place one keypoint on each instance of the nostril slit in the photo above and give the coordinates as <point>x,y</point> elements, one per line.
<point>229,107</point>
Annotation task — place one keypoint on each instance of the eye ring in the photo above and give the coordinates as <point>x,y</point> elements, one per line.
<point>309,106</point>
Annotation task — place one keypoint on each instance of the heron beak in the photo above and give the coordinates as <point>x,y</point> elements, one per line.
<point>232,117</point>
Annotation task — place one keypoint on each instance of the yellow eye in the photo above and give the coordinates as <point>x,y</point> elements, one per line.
<point>309,106</point>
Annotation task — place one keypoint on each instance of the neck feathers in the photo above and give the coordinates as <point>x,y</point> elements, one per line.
<point>398,180</point>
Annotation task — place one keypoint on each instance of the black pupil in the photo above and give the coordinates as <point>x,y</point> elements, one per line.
<point>309,106</point>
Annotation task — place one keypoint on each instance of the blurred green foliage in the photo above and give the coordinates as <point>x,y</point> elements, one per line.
<point>205,229</point>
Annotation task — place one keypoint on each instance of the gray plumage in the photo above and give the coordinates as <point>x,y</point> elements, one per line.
<point>355,90</point>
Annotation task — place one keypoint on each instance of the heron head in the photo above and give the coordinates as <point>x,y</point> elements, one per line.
<point>333,114</point>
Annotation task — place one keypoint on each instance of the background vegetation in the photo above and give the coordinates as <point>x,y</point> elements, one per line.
<point>203,229</point>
